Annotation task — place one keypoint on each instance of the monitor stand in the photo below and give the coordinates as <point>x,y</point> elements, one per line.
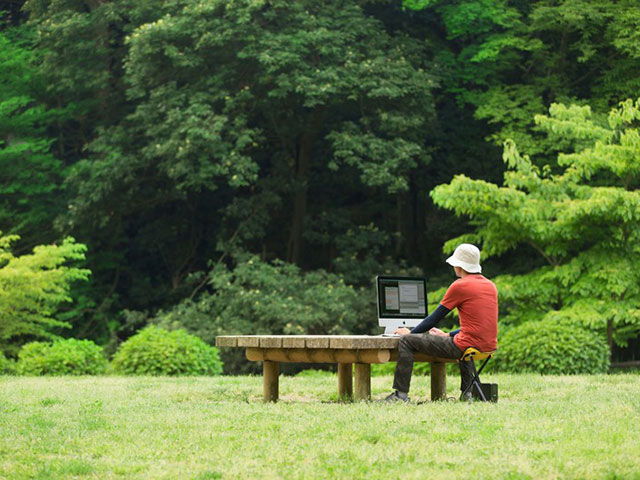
<point>388,331</point>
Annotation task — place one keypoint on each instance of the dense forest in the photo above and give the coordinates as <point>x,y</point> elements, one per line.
<point>249,166</point>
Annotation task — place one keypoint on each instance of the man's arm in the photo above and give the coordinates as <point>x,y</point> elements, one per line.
<point>432,320</point>
<point>453,333</point>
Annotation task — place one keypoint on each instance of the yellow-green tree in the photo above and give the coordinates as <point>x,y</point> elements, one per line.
<point>580,215</point>
<point>33,286</point>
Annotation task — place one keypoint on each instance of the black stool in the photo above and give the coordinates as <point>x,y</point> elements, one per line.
<point>469,355</point>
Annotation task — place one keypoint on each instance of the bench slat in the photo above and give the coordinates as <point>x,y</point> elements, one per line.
<point>270,342</point>
<point>302,341</point>
<point>363,341</point>
<point>316,342</point>
<point>225,341</point>
<point>249,341</point>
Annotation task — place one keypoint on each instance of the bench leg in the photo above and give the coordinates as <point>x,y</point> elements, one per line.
<point>362,374</point>
<point>270,374</point>
<point>438,381</point>
<point>345,380</point>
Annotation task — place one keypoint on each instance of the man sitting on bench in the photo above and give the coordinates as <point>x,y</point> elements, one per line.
<point>476,299</point>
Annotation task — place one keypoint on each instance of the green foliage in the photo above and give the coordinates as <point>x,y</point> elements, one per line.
<point>7,367</point>
<point>155,351</point>
<point>510,60</point>
<point>76,61</point>
<point>579,216</point>
<point>287,69</point>
<point>33,286</point>
<point>552,347</point>
<point>259,297</point>
<point>62,357</point>
<point>81,45</point>
<point>361,255</point>
<point>187,130</point>
<point>298,92</point>
<point>29,191</point>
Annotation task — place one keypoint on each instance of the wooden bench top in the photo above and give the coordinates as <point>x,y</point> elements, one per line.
<point>355,342</point>
<point>380,349</point>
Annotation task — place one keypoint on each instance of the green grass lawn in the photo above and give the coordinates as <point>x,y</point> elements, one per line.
<point>205,428</point>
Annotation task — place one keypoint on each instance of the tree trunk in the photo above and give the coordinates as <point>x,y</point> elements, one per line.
<point>399,229</point>
<point>610,337</point>
<point>294,250</point>
<point>301,179</point>
<point>102,40</point>
<point>405,226</point>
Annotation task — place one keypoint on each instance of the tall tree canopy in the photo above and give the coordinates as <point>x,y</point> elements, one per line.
<point>31,173</point>
<point>512,59</point>
<point>249,107</point>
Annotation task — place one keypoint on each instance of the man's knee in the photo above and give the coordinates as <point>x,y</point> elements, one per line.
<point>412,343</point>
<point>405,342</point>
<point>404,345</point>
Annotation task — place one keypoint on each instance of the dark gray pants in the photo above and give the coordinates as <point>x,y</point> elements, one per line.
<point>434,345</point>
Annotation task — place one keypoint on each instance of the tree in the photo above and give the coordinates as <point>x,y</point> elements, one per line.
<point>78,58</point>
<point>81,46</point>
<point>247,103</point>
<point>32,287</point>
<point>580,222</point>
<point>512,59</point>
<point>31,174</point>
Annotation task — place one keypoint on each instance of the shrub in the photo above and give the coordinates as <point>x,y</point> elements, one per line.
<point>155,351</point>
<point>62,357</point>
<point>7,367</point>
<point>33,286</point>
<point>551,347</point>
<point>278,298</point>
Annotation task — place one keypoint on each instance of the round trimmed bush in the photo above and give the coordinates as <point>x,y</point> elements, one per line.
<point>551,347</point>
<point>155,351</point>
<point>62,357</point>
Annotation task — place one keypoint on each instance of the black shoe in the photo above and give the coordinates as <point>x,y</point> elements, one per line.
<point>397,397</point>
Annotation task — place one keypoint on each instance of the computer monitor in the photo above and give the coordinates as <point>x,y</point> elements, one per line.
<point>402,301</point>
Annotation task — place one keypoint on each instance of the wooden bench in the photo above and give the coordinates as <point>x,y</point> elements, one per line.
<point>354,355</point>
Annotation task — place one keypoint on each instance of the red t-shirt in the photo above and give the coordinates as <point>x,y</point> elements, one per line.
<point>476,299</point>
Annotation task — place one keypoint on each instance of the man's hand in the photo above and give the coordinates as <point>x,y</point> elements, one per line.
<point>437,332</point>
<point>402,331</point>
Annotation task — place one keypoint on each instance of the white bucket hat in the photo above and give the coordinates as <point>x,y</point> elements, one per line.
<point>467,257</point>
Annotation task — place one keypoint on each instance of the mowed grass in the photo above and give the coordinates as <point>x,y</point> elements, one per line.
<point>207,428</point>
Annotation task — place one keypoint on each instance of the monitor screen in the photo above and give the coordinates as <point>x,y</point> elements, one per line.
<point>402,297</point>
